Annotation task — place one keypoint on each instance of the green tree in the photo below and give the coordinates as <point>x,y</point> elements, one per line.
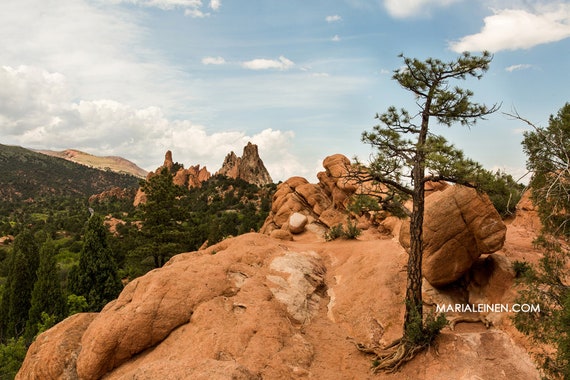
<point>548,151</point>
<point>163,230</point>
<point>12,356</point>
<point>47,295</point>
<point>408,155</point>
<point>16,298</point>
<point>96,276</point>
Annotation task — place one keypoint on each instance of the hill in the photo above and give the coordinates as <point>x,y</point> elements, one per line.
<point>28,175</point>
<point>112,163</point>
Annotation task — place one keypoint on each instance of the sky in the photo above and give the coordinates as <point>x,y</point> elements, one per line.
<point>302,79</point>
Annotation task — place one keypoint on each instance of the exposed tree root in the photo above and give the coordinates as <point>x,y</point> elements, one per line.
<point>393,356</point>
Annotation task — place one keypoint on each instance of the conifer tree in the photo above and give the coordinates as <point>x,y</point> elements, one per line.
<point>47,295</point>
<point>162,229</point>
<point>16,298</point>
<point>96,277</point>
<point>408,155</point>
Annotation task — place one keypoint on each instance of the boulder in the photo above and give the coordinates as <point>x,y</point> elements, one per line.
<point>297,223</point>
<point>54,353</point>
<point>460,224</point>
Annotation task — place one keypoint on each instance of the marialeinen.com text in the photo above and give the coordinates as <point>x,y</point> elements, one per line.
<point>487,308</point>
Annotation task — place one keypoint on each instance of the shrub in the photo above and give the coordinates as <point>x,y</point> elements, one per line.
<point>334,232</point>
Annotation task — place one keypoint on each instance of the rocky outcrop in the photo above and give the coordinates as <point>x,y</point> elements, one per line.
<point>253,307</point>
<point>248,167</point>
<point>460,225</point>
<point>189,178</point>
<point>114,193</point>
<point>323,203</point>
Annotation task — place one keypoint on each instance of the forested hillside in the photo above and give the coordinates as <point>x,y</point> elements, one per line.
<point>27,175</point>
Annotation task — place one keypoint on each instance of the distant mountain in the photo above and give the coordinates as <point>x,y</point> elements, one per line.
<point>26,174</point>
<point>113,163</point>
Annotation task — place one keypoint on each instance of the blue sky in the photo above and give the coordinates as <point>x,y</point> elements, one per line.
<point>302,79</point>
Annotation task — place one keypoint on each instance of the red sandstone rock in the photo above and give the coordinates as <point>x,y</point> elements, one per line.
<point>460,224</point>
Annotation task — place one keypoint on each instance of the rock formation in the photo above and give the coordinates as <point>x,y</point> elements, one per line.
<point>323,203</point>
<point>248,167</point>
<point>253,307</point>
<point>460,225</point>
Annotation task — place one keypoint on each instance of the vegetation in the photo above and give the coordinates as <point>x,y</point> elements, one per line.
<point>548,151</point>
<point>96,277</point>
<point>409,155</point>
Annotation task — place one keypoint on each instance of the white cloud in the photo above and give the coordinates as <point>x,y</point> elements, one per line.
<point>517,67</point>
<point>410,8</point>
<point>38,110</point>
<point>335,38</point>
<point>215,4</point>
<point>333,18</point>
<point>264,64</point>
<point>162,4</point>
<point>213,61</point>
<point>195,13</point>
<point>512,29</point>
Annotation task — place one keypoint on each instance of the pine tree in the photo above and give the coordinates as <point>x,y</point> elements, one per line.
<point>47,295</point>
<point>96,277</point>
<point>408,156</point>
<point>163,217</point>
<point>16,298</point>
<point>548,151</point>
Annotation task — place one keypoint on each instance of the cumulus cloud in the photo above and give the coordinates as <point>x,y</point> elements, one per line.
<point>195,13</point>
<point>335,38</point>
<point>38,110</point>
<point>513,29</point>
<point>165,4</point>
<point>264,64</point>
<point>333,18</point>
<point>410,8</point>
<point>215,4</point>
<point>517,67</point>
<point>213,61</point>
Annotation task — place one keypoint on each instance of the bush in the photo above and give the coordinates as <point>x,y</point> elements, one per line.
<point>334,232</point>
<point>12,356</point>
<point>350,232</point>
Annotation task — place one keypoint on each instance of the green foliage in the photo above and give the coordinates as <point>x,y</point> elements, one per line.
<point>96,276</point>
<point>76,304</point>
<point>503,191</point>
<point>548,151</point>
<point>546,287</point>
<point>16,297</point>
<point>351,231</point>
<point>522,269</point>
<point>12,355</point>
<point>361,204</point>
<point>47,295</point>
<point>422,332</point>
<point>334,232</point>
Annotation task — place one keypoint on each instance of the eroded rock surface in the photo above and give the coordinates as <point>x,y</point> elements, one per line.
<point>460,225</point>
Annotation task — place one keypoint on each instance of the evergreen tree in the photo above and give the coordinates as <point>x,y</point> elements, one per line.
<point>409,155</point>
<point>548,151</point>
<point>47,295</point>
<point>96,277</point>
<point>163,226</point>
<point>16,298</point>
